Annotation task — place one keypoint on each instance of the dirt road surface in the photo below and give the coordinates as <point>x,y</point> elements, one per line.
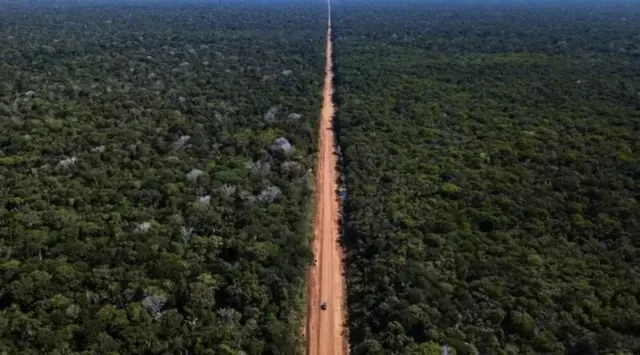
<point>324,331</point>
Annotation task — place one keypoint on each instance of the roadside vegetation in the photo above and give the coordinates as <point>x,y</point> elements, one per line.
<point>154,177</point>
<point>492,162</point>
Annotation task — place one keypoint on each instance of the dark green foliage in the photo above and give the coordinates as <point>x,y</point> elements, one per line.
<point>492,163</point>
<point>141,208</point>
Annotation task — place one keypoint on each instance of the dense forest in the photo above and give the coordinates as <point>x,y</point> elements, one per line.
<point>155,169</point>
<point>156,176</point>
<point>492,160</point>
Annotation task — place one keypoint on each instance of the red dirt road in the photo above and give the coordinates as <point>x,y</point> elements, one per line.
<point>325,328</point>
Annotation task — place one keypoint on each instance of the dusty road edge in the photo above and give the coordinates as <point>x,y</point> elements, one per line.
<point>322,337</point>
